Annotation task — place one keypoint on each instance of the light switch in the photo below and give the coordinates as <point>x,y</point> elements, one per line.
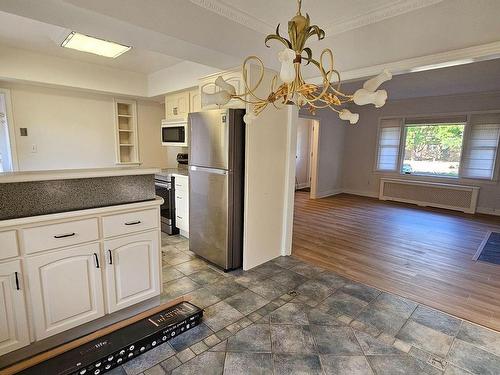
<point>24,132</point>
<point>33,148</point>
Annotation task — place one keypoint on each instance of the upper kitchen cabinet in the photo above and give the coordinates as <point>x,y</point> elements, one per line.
<point>127,150</point>
<point>194,101</point>
<point>177,106</point>
<point>233,77</point>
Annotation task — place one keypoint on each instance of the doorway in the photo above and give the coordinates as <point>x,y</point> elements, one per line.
<point>306,156</point>
<point>8,161</point>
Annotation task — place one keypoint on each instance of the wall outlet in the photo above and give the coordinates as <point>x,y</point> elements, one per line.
<point>34,148</point>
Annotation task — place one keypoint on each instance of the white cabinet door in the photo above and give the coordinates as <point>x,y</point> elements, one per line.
<point>132,269</point>
<point>13,324</point>
<point>66,289</point>
<point>177,106</point>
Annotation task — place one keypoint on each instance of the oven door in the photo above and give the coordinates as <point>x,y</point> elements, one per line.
<point>167,209</point>
<point>174,135</point>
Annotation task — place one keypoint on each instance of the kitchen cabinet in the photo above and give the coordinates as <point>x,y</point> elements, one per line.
<point>14,333</point>
<point>194,101</point>
<point>177,106</point>
<point>132,269</point>
<point>182,204</point>
<point>66,289</point>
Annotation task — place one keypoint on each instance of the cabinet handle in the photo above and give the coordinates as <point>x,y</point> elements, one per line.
<point>96,260</point>
<point>178,197</point>
<point>133,222</point>
<point>110,257</point>
<point>17,281</point>
<point>179,217</point>
<point>65,235</point>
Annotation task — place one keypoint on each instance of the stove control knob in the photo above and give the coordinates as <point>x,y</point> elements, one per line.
<point>107,367</point>
<point>97,372</point>
<point>142,348</point>
<point>98,364</point>
<point>83,371</point>
<point>164,338</point>
<point>132,347</point>
<point>172,334</point>
<point>187,327</point>
<point>153,343</point>
<point>130,355</point>
<point>119,360</point>
<point>110,358</point>
<point>122,352</point>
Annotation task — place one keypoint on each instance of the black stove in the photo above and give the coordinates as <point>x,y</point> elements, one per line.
<point>101,355</point>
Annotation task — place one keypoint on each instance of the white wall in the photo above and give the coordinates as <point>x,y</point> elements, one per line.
<point>330,151</point>
<point>361,140</point>
<point>73,129</point>
<point>265,182</point>
<point>303,155</point>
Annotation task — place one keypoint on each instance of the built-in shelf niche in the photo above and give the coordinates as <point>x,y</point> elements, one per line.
<point>127,151</point>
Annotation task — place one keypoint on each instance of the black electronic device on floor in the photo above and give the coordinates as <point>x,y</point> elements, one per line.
<point>103,354</point>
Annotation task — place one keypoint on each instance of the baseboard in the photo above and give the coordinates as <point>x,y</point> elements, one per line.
<point>326,193</point>
<point>370,194</point>
<point>488,211</point>
<point>302,186</point>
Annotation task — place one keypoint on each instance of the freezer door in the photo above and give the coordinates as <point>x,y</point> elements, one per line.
<point>209,139</point>
<point>209,210</point>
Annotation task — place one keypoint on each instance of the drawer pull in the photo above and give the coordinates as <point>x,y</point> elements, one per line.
<point>179,217</point>
<point>96,257</point>
<point>133,222</point>
<point>110,257</point>
<point>178,197</point>
<point>17,281</point>
<point>65,235</point>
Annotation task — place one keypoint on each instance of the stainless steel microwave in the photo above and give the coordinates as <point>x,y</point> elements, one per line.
<point>174,133</point>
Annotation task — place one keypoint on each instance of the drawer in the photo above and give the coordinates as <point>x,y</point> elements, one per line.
<point>8,244</point>
<point>182,221</point>
<point>181,183</point>
<point>181,203</point>
<point>60,235</point>
<point>130,222</point>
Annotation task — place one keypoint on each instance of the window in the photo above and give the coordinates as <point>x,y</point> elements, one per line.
<point>440,147</point>
<point>481,150</point>
<point>433,149</point>
<point>388,144</point>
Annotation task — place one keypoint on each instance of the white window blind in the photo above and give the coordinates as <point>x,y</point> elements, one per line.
<point>481,147</point>
<point>388,144</point>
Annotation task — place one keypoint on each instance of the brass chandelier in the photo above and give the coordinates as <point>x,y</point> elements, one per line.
<point>289,87</point>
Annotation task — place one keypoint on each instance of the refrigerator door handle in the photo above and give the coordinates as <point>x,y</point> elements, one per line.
<point>209,170</point>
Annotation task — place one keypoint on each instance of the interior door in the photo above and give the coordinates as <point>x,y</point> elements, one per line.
<point>208,214</point>
<point>65,288</point>
<point>303,154</point>
<point>209,139</point>
<point>13,324</point>
<point>132,270</point>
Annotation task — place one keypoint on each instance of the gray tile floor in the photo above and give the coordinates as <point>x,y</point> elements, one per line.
<point>290,317</point>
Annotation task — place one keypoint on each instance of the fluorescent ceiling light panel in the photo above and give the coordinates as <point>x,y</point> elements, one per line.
<point>441,65</point>
<point>93,45</point>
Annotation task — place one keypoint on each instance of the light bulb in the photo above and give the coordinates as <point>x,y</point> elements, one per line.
<point>347,115</point>
<point>287,72</point>
<point>363,97</point>
<point>222,84</point>
<point>249,118</point>
<point>375,82</point>
<point>220,98</point>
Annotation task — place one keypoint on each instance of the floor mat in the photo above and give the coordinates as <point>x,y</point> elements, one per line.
<point>489,251</point>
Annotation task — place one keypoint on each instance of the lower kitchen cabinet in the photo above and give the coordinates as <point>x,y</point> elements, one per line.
<point>132,269</point>
<point>14,333</point>
<point>66,289</point>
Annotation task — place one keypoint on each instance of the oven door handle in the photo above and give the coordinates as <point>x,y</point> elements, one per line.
<point>166,186</point>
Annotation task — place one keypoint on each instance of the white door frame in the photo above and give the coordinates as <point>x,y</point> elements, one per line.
<point>11,128</point>
<point>313,170</point>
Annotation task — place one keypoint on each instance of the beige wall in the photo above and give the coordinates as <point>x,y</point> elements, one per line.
<point>330,151</point>
<point>74,129</point>
<point>361,141</point>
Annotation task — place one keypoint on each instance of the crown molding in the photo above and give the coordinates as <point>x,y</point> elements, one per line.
<point>397,8</point>
<point>476,53</point>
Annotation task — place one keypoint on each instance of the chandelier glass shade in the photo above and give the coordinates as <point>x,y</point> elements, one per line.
<point>289,86</point>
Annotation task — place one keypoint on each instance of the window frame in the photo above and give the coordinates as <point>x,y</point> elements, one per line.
<point>425,177</point>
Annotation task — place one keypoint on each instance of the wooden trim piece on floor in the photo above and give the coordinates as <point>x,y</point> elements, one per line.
<point>39,358</point>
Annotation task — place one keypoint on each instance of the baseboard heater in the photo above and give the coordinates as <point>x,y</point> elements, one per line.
<point>450,196</point>
<point>109,351</point>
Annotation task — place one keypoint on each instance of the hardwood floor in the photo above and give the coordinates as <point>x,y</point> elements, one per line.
<point>419,253</point>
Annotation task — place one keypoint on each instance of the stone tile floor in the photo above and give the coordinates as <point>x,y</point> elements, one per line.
<point>290,317</point>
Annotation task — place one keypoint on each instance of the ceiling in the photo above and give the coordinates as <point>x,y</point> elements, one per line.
<point>219,34</point>
<point>334,16</point>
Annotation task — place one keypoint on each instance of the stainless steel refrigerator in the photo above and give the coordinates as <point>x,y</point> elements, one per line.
<point>216,186</point>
